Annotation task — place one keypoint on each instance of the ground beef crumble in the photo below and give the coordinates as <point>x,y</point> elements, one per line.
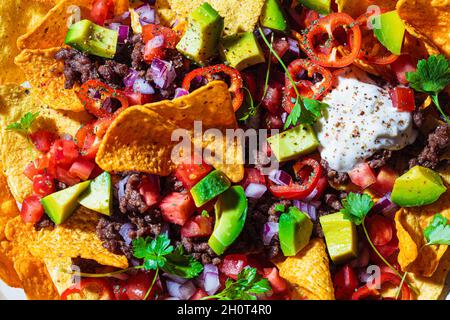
<point>437,141</point>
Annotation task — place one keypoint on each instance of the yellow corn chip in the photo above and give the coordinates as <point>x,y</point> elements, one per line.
<point>165,12</point>
<point>7,272</point>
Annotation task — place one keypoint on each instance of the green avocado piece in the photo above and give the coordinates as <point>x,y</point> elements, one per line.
<point>294,142</point>
<point>98,196</point>
<point>231,213</point>
<point>93,39</point>
<point>215,183</point>
<point>294,231</point>
<point>417,187</point>
<point>201,39</point>
<point>340,236</point>
<point>241,50</point>
<point>390,31</point>
<point>321,6</point>
<point>272,16</point>
<point>60,205</point>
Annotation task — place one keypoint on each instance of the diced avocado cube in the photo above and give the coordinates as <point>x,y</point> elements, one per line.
<point>93,39</point>
<point>201,39</point>
<point>272,16</point>
<point>417,187</point>
<point>390,31</point>
<point>231,213</point>
<point>321,6</point>
<point>294,231</point>
<point>215,183</point>
<point>340,236</point>
<point>294,142</point>
<point>99,195</point>
<point>60,205</point>
<point>242,50</point>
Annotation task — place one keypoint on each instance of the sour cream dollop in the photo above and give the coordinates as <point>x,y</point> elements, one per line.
<point>360,121</point>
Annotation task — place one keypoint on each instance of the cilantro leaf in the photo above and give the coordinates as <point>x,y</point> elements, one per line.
<point>356,207</point>
<point>280,207</point>
<point>153,252</point>
<point>438,231</point>
<point>24,124</point>
<point>308,114</point>
<point>182,265</point>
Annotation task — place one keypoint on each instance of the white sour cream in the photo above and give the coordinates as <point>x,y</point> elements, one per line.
<point>360,121</point>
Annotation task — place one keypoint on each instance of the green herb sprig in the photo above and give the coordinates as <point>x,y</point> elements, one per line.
<point>438,231</point>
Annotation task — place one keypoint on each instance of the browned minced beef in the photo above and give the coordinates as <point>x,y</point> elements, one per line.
<point>132,201</point>
<point>137,54</point>
<point>334,176</point>
<point>43,223</point>
<point>200,250</point>
<point>379,159</point>
<point>85,265</point>
<point>437,141</point>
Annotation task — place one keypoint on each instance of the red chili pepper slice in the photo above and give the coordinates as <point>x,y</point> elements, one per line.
<point>93,94</point>
<point>385,277</point>
<point>89,289</point>
<point>305,69</point>
<point>236,82</point>
<point>334,41</point>
<point>309,171</point>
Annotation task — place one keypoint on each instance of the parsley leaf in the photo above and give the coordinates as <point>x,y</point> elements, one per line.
<point>356,207</point>
<point>24,124</point>
<point>431,77</point>
<point>248,284</point>
<point>153,252</point>
<point>280,207</point>
<point>182,265</point>
<point>438,231</point>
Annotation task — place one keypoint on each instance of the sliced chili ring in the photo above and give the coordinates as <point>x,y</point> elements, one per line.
<point>305,69</point>
<point>385,277</point>
<point>309,171</point>
<point>236,82</point>
<point>372,50</point>
<point>99,99</point>
<point>325,39</point>
<point>89,289</point>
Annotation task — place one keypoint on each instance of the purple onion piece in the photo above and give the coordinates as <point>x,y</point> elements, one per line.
<point>312,195</point>
<point>255,190</point>
<point>307,208</point>
<point>280,177</point>
<point>175,278</point>
<point>124,32</point>
<point>211,283</point>
<point>385,206</point>
<point>181,291</point>
<point>121,187</point>
<point>163,73</point>
<point>130,78</point>
<point>179,92</point>
<point>147,15</point>
<point>270,229</point>
<point>293,46</point>
<point>141,85</point>
<point>124,231</point>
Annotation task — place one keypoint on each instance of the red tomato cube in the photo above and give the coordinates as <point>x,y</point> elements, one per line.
<point>233,264</point>
<point>345,282</point>
<point>277,283</point>
<point>189,173</point>
<point>362,175</point>
<point>42,140</point>
<point>385,181</point>
<point>199,226</point>
<point>149,189</point>
<point>403,99</point>
<point>82,169</point>
<point>32,209</point>
<point>177,208</point>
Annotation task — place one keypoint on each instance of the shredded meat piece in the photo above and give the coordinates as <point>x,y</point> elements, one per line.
<point>132,201</point>
<point>437,141</point>
<point>334,176</point>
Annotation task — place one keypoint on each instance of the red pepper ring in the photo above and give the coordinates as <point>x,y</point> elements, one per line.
<point>236,82</point>
<point>309,171</point>
<point>385,277</point>
<point>327,54</point>
<point>90,289</point>
<point>94,105</point>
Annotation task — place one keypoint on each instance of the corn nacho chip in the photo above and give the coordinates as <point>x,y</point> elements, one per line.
<point>165,12</point>
<point>16,152</point>
<point>308,272</point>
<point>7,272</point>
<point>59,270</point>
<point>428,21</point>
<point>239,15</point>
<point>46,76</point>
<point>414,256</point>
<point>140,138</point>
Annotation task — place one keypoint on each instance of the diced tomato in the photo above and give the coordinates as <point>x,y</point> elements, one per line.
<point>64,152</point>
<point>345,283</point>
<point>65,177</point>
<point>362,175</point>
<point>32,209</point>
<point>387,251</point>
<point>149,189</point>
<point>177,208</point>
<point>87,141</point>
<point>199,294</point>
<point>138,285</point>
<point>42,139</point>
<point>233,264</point>
<point>277,283</point>
<point>189,173</point>
<point>31,170</point>
<point>252,175</point>
<point>119,288</point>
<point>43,185</point>
<point>401,66</point>
<point>403,99</point>
<point>102,10</point>
<point>273,98</point>
<point>385,181</point>
<point>380,229</point>
<point>137,98</point>
<point>82,169</point>
<point>169,41</point>
<point>197,227</point>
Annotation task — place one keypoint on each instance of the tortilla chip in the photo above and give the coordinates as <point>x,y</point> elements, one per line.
<point>308,272</point>
<point>139,139</point>
<point>166,14</point>
<point>59,271</point>
<point>428,21</point>
<point>7,272</point>
<point>357,8</point>
<point>76,238</point>
<point>8,207</point>
<point>30,13</point>
<point>16,152</point>
<point>46,76</point>
<point>239,15</point>
<point>410,223</point>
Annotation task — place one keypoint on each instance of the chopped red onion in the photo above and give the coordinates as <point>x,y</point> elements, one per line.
<point>130,78</point>
<point>209,279</point>
<point>255,190</point>
<point>284,116</point>
<point>175,278</point>
<point>124,231</point>
<point>307,208</point>
<point>293,46</point>
<point>270,229</point>
<point>163,73</point>
<point>141,85</point>
<point>312,195</point>
<point>124,32</point>
<point>147,15</point>
<point>156,42</point>
<point>181,291</point>
<point>179,92</point>
<point>385,206</point>
<point>121,187</point>
<point>280,177</point>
